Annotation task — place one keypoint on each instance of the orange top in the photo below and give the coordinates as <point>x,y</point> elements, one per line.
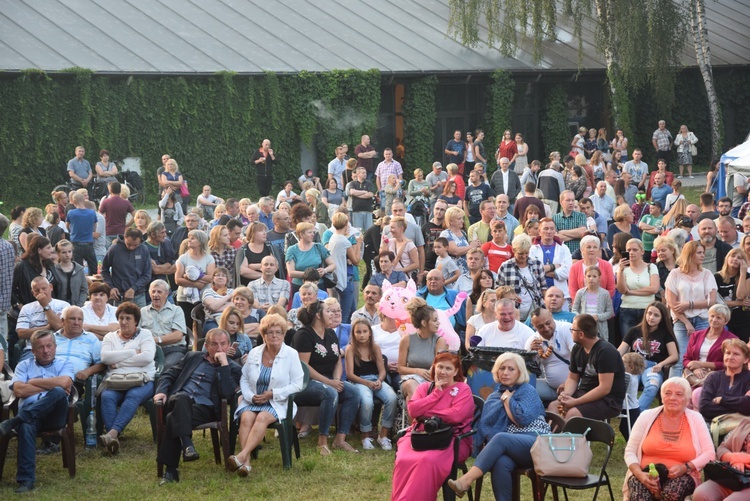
<point>668,448</point>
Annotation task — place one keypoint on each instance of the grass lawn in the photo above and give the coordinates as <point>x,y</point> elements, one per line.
<point>132,473</point>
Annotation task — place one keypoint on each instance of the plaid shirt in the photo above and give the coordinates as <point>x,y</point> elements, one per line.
<point>7,261</point>
<point>225,260</point>
<point>270,293</point>
<point>575,220</point>
<point>384,170</point>
<point>510,274</point>
<point>663,139</point>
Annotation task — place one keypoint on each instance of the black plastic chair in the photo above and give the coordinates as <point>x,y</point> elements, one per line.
<point>599,431</point>
<point>448,493</point>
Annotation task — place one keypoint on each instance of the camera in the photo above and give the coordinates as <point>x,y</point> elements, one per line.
<point>433,424</point>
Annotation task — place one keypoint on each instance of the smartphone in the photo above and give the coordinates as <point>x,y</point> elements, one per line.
<point>235,345</point>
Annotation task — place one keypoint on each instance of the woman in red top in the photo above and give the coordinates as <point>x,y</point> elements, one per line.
<point>458,179</point>
<point>498,250</point>
<point>507,148</point>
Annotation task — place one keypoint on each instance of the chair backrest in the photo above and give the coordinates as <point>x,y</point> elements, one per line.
<point>189,339</point>
<point>555,421</point>
<point>599,431</point>
<point>306,376</point>
<point>478,407</point>
<point>159,360</point>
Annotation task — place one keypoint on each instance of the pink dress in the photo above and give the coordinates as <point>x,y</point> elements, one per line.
<point>418,475</point>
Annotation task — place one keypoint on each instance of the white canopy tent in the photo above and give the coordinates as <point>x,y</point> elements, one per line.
<point>737,153</point>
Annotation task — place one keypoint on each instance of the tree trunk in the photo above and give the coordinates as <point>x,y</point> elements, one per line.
<point>703,57</point>
<point>604,11</point>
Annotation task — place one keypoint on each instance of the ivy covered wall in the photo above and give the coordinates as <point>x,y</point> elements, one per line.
<point>210,125</point>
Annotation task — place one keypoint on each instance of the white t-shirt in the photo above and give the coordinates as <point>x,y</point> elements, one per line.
<point>211,199</point>
<point>562,343</point>
<point>337,246</point>
<point>515,338</point>
<point>388,342</point>
<point>90,317</point>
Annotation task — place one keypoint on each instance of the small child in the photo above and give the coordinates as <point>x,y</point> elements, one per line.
<point>595,301</point>
<point>445,263</point>
<point>498,250</point>
<point>393,192</point>
<point>634,365</point>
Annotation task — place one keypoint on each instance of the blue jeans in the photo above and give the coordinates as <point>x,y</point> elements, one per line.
<point>680,333</point>
<point>629,318</point>
<point>651,383</point>
<point>504,453</point>
<point>129,401</point>
<point>327,398</point>
<point>348,299</point>
<point>362,220</point>
<point>385,394</point>
<point>46,414</point>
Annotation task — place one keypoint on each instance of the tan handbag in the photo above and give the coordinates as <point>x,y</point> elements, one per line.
<point>122,382</point>
<point>562,455</point>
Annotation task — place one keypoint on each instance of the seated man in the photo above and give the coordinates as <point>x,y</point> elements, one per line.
<point>369,310</point>
<point>192,391</point>
<point>44,313</point>
<point>268,289</point>
<point>42,384</point>
<point>506,331</point>
<point>442,298</point>
<point>595,387</point>
<point>554,343</point>
<point>166,322</point>
<point>82,349</point>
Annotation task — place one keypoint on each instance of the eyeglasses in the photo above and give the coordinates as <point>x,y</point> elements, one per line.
<point>274,333</point>
<point>572,329</point>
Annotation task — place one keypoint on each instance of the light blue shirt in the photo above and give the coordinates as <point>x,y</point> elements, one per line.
<point>336,167</point>
<point>82,351</point>
<point>81,168</point>
<point>28,369</point>
<point>659,193</point>
<point>603,205</point>
<point>511,223</point>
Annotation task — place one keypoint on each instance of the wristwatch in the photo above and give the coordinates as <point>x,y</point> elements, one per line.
<point>47,308</point>
<point>688,468</point>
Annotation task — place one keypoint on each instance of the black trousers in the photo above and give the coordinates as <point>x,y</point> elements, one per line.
<point>85,252</point>
<point>264,185</point>
<point>182,416</point>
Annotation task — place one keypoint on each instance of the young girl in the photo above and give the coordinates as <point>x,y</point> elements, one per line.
<point>231,321</point>
<point>366,370</point>
<point>635,366</point>
<point>444,262</point>
<point>392,192</point>
<point>498,250</point>
<point>595,301</point>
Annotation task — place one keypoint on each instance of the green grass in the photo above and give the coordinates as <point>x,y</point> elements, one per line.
<point>132,473</point>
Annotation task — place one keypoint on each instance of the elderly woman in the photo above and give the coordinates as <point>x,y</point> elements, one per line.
<point>690,290</point>
<point>307,254</point>
<point>623,217</point>
<point>653,339</point>
<point>638,282</point>
<point>254,251</point>
<point>458,241</point>
<point>243,299</point>
<point>512,418</point>
<point>591,256</point>
<point>32,222</point>
<point>485,314</point>
<point>735,450</point>
<point>128,350</point>
<point>674,436</point>
<point>312,197</point>
<point>525,275</point>
<point>216,299</point>
<point>728,390</point>
<point>222,251</point>
<point>99,317</point>
<point>318,347</point>
<point>733,283</point>
<point>194,272</point>
<point>418,475</point>
<point>272,373</point>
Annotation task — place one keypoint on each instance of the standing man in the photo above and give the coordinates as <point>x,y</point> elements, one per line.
<point>528,198</point>
<point>192,391</point>
<point>264,160</point>
<point>455,151</point>
<point>360,193</point>
<point>437,179</point>
<point>269,290</point>
<point>603,204</point>
<point>480,155</point>
<point>662,141</point>
<point>81,225</point>
<point>481,230</point>
<point>127,268</point>
<point>506,182</point>
<point>661,168</point>
<point>555,258</point>
<point>637,169</point>
<point>431,230</point>
<point>161,252</point>
<point>7,261</point>
<point>502,214</point>
<point>79,169</point>
<point>587,208</point>
<point>476,193</point>
<point>552,184</point>
<point>556,341</point>
<point>660,189</point>
<point>715,250</point>
<point>337,166</point>
<point>191,223</point>
<point>115,210</point>
<point>42,384</point>
<point>571,225</point>
<point>365,154</point>
<point>385,168</point>
<point>531,173</point>
<point>166,322</point>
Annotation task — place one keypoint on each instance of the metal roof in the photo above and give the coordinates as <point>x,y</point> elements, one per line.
<point>254,36</point>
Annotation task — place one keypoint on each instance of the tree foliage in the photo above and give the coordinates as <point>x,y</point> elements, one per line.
<point>501,92</point>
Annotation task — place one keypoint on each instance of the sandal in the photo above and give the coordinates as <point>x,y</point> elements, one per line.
<point>324,450</point>
<point>457,487</point>
<point>304,431</point>
<point>234,463</point>
<point>244,470</point>
<point>344,447</point>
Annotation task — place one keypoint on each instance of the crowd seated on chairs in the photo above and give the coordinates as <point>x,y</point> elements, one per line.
<point>256,277</point>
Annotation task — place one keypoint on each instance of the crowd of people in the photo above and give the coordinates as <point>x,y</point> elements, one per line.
<point>596,263</point>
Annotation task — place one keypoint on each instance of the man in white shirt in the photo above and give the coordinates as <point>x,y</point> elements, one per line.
<point>44,313</point>
<point>336,167</point>
<point>506,331</point>
<point>602,203</point>
<point>637,169</point>
<point>555,341</point>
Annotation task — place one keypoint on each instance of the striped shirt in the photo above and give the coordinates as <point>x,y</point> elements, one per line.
<point>269,293</point>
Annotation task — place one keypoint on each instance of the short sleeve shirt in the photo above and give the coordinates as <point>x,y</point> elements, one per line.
<point>324,353</point>
<point>657,341</point>
<point>603,359</point>
<point>306,259</point>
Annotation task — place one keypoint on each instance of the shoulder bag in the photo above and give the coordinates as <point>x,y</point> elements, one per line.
<point>122,382</point>
<point>562,455</point>
<point>430,434</point>
<point>329,279</point>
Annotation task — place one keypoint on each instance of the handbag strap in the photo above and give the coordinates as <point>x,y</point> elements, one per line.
<point>320,253</point>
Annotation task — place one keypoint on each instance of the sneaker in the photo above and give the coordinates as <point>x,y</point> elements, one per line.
<point>48,448</point>
<point>368,444</point>
<point>679,177</point>
<point>24,487</point>
<point>385,443</point>
<point>692,177</point>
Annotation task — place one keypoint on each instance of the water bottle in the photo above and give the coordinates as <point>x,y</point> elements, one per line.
<point>91,431</point>
<point>653,474</point>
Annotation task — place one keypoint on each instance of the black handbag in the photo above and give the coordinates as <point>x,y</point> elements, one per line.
<point>726,476</point>
<point>431,434</point>
<point>330,281</point>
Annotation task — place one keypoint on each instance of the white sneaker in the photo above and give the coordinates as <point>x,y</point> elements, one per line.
<point>692,177</point>
<point>368,444</point>
<point>385,443</point>
<point>679,177</point>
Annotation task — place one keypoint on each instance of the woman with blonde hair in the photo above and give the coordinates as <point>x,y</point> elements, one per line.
<point>312,197</point>
<point>484,314</point>
<point>231,321</point>
<point>417,187</point>
<point>458,240</point>
<point>219,211</point>
<point>678,209</point>
<point>690,291</point>
<point>667,254</point>
<point>194,272</point>
<point>31,222</point>
<point>733,286</point>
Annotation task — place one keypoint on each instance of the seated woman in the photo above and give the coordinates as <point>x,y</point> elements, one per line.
<point>366,370</point>
<point>728,391</point>
<point>241,344</point>
<point>243,299</point>
<point>387,336</point>
<point>512,418</point>
<point>99,317</point>
<point>308,294</point>
<point>419,474</point>
<point>272,373</point>
<point>417,351</point>
<point>485,314</point>
<point>318,348</point>
<point>386,261</point>
<point>654,340</point>
<point>310,276</point>
<point>674,436</point>
<point>128,350</point>
<point>735,450</point>
<point>216,299</point>
<point>704,353</point>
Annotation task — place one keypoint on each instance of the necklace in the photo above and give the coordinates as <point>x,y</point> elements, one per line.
<point>672,436</point>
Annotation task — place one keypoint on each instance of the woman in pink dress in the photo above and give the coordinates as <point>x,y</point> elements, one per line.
<point>418,475</point>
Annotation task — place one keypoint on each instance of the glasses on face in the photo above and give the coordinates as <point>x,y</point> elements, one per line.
<point>274,334</point>
<point>573,329</point>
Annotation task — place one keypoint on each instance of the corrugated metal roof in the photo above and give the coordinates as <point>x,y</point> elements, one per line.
<point>253,36</point>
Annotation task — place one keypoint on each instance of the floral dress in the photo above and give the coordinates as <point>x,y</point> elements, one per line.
<point>461,241</point>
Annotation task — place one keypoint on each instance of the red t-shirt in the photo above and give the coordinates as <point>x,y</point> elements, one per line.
<point>115,210</point>
<point>497,255</point>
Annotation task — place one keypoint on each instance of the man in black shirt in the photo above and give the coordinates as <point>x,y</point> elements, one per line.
<point>431,230</point>
<point>595,387</point>
<point>360,193</point>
